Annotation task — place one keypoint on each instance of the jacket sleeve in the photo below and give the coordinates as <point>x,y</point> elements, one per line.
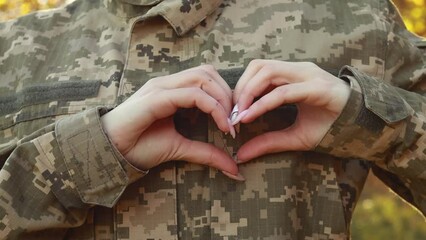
<point>384,120</point>
<point>51,178</point>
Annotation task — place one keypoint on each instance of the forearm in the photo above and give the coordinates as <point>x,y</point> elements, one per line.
<point>45,182</point>
<point>383,124</point>
<point>37,190</point>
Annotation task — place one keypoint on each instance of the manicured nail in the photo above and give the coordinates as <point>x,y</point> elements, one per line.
<point>237,161</point>
<point>237,128</point>
<point>239,117</point>
<point>237,177</point>
<point>231,129</point>
<point>234,113</point>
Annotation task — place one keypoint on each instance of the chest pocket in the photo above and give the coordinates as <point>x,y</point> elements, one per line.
<point>37,105</point>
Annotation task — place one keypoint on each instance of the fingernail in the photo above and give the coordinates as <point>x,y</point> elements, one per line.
<point>237,127</point>
<point>239,117</point>
<point>237,177</point>
<point>237,161</point>
<point>231,129</point>
<point>234,113</point>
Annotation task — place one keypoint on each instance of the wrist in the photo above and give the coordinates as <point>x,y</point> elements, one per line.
<point>107,122</point>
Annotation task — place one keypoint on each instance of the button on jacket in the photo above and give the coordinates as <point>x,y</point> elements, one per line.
<point>61,69</point>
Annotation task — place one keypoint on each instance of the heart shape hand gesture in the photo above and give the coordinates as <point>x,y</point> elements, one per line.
<point>144,121</point>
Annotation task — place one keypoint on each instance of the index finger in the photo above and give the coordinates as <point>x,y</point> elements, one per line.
<point>262,74</point>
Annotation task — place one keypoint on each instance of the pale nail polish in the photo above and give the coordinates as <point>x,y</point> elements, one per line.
<point>237,161</point>
<point>239,117</point>
<point>231,129</point>
<point>237,177</point>
<point>234,113</point>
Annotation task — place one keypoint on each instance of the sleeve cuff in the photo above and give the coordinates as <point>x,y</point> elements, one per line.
<point>368,125</point>
<point>98,170</point>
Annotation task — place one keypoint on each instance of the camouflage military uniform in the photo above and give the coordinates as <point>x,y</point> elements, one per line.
<point>61,69</point>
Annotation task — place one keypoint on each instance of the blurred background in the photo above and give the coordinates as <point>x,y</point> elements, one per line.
<point>380,214</point>
<point>413,11</point>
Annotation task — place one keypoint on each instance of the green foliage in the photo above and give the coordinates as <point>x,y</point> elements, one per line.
<point>384,216</point>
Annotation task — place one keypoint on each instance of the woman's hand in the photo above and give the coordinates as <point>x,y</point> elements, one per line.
<point>142,127</point>
<point>319,96</point>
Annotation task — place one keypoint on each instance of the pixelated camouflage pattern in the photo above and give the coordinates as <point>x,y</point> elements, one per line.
<point>49,189</point>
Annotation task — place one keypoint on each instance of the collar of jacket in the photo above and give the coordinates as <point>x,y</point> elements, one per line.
<point>182,15</point>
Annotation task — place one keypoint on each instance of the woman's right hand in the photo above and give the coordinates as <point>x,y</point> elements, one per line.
<point>142,127</point>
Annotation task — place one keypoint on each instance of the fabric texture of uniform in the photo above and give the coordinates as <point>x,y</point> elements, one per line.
<point>61,69</point>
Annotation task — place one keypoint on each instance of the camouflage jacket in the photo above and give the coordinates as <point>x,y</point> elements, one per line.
<point>61,69</point>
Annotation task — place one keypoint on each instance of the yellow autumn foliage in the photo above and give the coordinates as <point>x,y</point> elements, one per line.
<point>15,8</point>
<point>413,11</point>
<point>414,14</point>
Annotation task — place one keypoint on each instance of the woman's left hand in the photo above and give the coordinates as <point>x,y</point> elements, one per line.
<point>319,96</point>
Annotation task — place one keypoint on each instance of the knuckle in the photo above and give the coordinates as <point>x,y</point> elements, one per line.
<point>151,83</point>
<point>196,92</point>
<point>205,75</point>
<point>201,75</point>
<point>256,63</point>
<point>268,72</point>
<point>217,105</point>
<point>194,77</point>
<point>208,68</point>
<point>156,81</point>
<point>268,69</point>
<point>282,90</point>
<point>308,65</point>
<point>210,159</point>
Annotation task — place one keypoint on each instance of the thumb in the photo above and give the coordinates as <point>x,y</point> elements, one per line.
<point>206,154</point>
<point>271,142</point>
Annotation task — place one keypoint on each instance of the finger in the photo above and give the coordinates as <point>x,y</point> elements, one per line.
<point>205,77</point>
<point>213,74</point>
<point>252,68</point>
<point>206,154</point>
<point>271,142</point>
<point>216,76</point>
<point>267,76</point>
<point>307,93</point>
<point>272,73</point>
<point>171,100</point>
